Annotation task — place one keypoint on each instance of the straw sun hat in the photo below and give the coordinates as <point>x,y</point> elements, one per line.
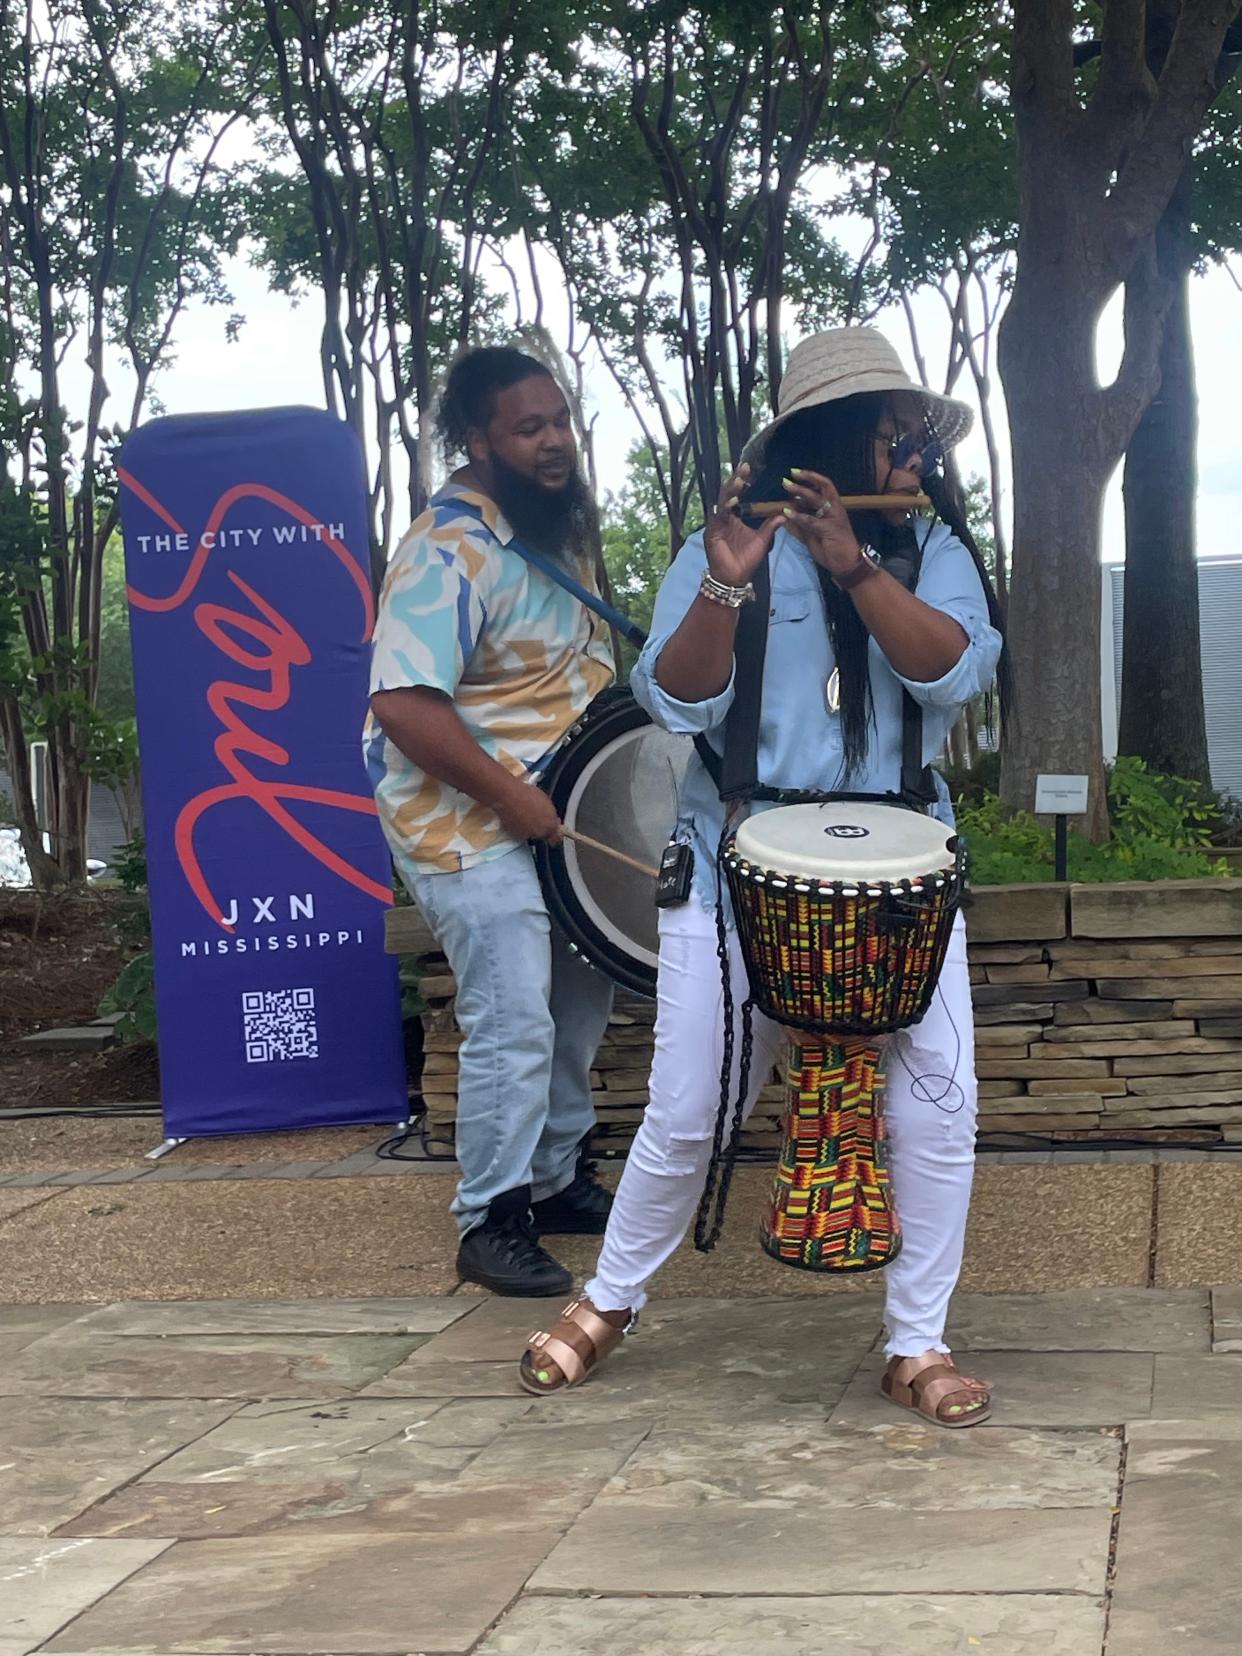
<point>841,362</point>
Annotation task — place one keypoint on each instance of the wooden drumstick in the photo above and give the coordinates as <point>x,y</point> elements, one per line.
<point>852,503</point>
<point>611,851</point>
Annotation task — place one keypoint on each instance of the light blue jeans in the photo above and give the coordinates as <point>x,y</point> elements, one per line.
<point>533,1015</point>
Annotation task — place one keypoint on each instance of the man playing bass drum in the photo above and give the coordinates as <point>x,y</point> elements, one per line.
<point>482,663</point>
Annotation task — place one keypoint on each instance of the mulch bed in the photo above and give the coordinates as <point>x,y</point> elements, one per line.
<point>57,958</point>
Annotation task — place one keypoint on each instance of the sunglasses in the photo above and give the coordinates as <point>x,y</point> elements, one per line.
<point>903,449</point>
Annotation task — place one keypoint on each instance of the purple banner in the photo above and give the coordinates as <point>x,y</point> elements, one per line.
<point>250,614</point>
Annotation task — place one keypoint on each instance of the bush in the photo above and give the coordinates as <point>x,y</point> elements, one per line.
<point>133,996</point>
<point>1162,828</point>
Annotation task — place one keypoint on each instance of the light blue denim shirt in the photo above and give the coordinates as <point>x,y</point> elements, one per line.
<point>800,742</point>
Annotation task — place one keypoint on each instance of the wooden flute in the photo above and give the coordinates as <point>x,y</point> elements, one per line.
<point>852,503</point>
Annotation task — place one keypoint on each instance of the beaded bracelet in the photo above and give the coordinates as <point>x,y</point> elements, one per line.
<point>732,597</point>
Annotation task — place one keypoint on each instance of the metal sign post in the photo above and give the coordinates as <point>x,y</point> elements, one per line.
<point>1061,797</point>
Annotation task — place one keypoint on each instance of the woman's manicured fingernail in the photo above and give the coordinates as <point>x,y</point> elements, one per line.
<point>795,471</point>
<point>788,511</point>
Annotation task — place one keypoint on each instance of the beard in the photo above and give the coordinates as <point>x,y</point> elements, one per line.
<point>556,522</point>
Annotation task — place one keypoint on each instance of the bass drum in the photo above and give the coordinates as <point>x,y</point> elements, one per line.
<point>615,778</point>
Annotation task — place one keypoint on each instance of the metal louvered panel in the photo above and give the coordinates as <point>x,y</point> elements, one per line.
<point>1220,639</point>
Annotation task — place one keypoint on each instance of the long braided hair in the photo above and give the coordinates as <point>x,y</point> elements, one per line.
<point>838,439</point>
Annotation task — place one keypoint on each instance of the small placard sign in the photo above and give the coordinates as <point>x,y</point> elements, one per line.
<point>1060,795</point>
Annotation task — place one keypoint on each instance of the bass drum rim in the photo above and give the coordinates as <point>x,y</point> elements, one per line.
<point>613,713</point>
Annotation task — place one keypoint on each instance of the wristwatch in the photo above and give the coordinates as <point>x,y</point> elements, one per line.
<point>867,565</point>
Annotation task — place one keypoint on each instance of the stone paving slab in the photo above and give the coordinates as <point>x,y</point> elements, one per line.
<point>307,1316</point>
<point>171,1173</point>
<point>72,1363</point>
<point>352,1467</point>
<point>1077,1390</point>
<point>61,1455</point>
<point>45,1584</point>
<point>909,1467</point>
<point>332,1464</point>
<point>623,1545</point>
<point>1200,1387</point>
<point>21,1325</point>
<point>1227,1319</point>
<point>1178,1586</point>
<point>86,1038</point>
<point>1215,1428</point>
<point>354,1595</point>
<point>1117,1319</point>
<point>520,1483</point>
<point>849,1625</point>
<point>737,1357</point>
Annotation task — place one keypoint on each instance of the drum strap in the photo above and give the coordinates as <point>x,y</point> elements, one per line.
<point>631,631</point>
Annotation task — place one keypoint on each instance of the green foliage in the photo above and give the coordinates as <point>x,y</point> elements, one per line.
<point>115,698</point>
<point>928,142</point>
<point>117,210</point>
<point>1161,831</point>
<point>1145,804</point>
<point>133,996</point>
<point>636,541</point>
<point>129,866</point>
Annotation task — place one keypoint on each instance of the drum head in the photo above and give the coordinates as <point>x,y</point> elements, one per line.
<point>847,841</point>
<point>615,779</point>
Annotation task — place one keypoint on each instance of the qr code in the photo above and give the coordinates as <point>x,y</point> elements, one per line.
<point>279,1024</point>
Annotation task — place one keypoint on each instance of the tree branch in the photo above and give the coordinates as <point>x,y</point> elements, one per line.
<point>1155,159</point>
<point>1043,77</point>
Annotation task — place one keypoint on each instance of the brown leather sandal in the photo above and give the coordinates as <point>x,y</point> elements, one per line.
<point>936,1390</point>
<point>565,1355</point>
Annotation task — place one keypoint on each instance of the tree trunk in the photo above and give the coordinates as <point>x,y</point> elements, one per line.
<point>1054,601</point>
<point>45,873</point>
<point>74,818</point>
<point>1162,719</point>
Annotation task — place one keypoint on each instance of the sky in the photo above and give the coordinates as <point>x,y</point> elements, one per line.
<point>276,362</point>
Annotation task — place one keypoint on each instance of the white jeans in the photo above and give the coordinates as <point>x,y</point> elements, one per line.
<point>930,1106</point>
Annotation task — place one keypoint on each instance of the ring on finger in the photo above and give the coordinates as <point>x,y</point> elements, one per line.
<point>824,509</point>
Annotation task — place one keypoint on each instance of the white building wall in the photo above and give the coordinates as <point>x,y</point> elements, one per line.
<point>1220,639</point>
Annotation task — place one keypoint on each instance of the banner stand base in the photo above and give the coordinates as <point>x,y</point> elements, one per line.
<point>163,1149</point>
<point>170,1144</point>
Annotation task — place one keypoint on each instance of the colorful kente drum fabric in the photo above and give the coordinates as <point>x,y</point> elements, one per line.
<point>844,912</point>
<point>831,1207</point>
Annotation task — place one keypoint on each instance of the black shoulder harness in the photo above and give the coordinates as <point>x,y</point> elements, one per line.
<point>736,776</point>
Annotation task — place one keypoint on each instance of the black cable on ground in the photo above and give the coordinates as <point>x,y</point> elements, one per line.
<point>67,1113</point>
<point>420,1129</point>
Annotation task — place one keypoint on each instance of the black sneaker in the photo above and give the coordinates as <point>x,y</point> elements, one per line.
<point>503,1255</point>
<point>581,1209</point>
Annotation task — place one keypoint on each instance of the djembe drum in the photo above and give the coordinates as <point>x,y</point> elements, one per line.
<point>844,911</point>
